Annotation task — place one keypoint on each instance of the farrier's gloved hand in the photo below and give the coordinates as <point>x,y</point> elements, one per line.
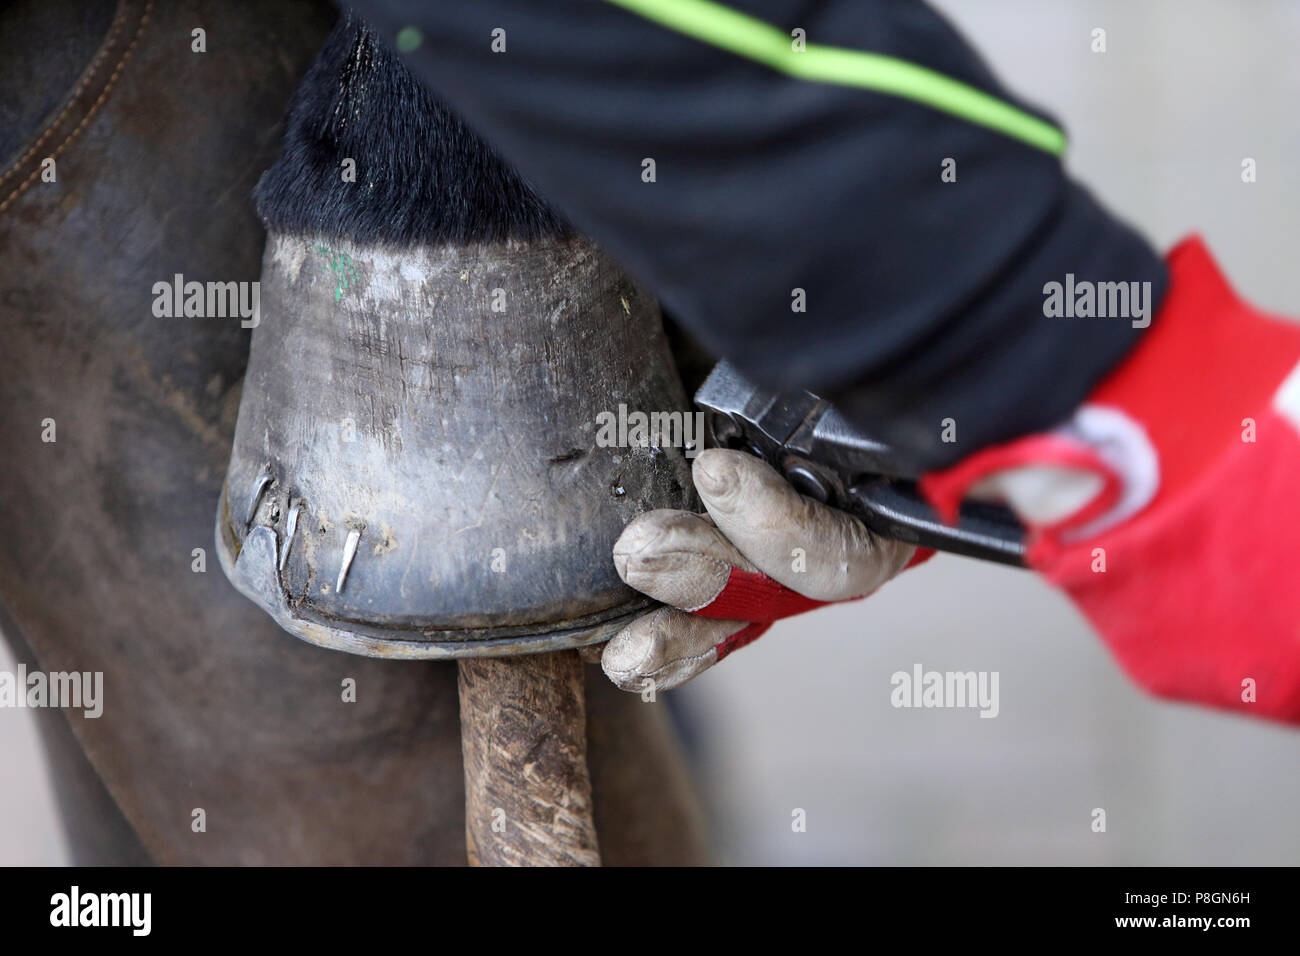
<point>762,552</point>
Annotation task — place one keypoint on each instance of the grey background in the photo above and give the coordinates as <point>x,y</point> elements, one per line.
<point>1158,125</point>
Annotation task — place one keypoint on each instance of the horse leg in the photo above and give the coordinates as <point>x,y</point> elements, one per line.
<point>208,706</point>
<point>401,321</point>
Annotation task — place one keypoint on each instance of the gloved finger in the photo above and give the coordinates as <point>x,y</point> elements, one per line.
<point>669,647</point>
<point>677,557</point>
<point>811,548</point>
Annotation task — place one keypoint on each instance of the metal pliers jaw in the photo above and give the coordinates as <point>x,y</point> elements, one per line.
<point>826,458</point>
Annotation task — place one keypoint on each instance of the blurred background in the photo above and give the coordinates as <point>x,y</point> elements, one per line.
<point>1159,125</point>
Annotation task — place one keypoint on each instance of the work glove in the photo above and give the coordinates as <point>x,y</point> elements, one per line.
<point>761,552</point>
<point>1168,507</point>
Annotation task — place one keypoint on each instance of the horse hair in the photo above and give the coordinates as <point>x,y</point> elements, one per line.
<point>422,176</point>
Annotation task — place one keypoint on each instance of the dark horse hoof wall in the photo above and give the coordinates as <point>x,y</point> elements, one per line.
<point>418,470</point>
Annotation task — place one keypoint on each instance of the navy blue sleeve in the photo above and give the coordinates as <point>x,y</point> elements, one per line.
<point>883,182</point>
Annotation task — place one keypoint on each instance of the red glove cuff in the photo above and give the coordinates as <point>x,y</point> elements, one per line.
<point>1187,563</point>
<point>748,596</point>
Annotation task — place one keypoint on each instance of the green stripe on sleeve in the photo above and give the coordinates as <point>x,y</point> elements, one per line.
<point>755,40</point>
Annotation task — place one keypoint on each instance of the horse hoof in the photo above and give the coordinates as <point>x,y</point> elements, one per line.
<point>419,469</point>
